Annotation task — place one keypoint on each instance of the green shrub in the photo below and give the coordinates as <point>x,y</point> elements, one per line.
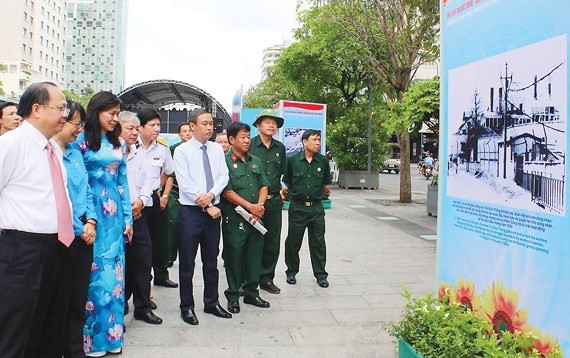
<point>440,328</point>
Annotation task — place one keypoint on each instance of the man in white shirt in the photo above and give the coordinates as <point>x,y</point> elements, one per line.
<point>138,251</point>
<point>34,239</point>
<point>202,175</point>
<point>158,163</point>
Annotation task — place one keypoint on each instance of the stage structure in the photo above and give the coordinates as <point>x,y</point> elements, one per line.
<point>173,99</point>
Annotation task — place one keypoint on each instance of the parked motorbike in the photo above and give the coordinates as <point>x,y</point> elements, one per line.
<point>427,171</point>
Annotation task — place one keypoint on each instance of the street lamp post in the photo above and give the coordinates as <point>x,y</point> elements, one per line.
<point>369,174</point>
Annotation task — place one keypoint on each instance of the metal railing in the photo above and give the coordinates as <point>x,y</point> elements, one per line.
<point>545,192</point>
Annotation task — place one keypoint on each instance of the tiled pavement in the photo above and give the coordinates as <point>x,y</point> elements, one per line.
<point>373,247</point>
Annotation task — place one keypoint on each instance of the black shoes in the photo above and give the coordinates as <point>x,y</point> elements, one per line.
<point>256,301</point>
<point>291,279</point>
<point>189,317</point>
<point>165,283</point>
<point>148,317</point>
<point>322,282</point>
<point>217,311</point>
<point>233,306</point>
<point>152,305</point>
<point>270,287</point>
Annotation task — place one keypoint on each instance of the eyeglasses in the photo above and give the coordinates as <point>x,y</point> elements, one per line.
<point>62,110</point>
<point>78,125</point>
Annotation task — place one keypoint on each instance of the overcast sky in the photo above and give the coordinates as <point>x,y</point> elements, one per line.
<point>215,45</point>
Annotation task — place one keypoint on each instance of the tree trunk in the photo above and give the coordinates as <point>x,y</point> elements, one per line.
<point>405,175</point>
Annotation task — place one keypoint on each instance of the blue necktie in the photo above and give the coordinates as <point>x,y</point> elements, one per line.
<point>207,169</point>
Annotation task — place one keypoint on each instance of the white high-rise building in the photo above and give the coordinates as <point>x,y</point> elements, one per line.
<point>32,44</point>
<point>270,56</point>
<point>96,45</point>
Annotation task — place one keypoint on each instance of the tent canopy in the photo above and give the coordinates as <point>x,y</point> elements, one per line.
<point>160,93</point>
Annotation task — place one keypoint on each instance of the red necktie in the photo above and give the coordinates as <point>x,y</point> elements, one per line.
<point>65,232</point>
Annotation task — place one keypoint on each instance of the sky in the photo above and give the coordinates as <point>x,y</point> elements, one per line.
<point>216,45</point>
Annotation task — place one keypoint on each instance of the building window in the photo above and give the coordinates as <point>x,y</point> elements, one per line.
<point>25,16</point>
<point>30,50</point>
<point>24,47</point>
<point>25,32</point>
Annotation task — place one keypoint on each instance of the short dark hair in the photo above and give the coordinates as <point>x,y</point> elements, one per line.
<point>310,132</point>
<point>236,127</point>
<point>35,93</point>
<point>99,102</point>
<point>148,114</point>
<point>4,104</point>
<point>182,125</point>
<point>75,107</point>
<point>195,113</point>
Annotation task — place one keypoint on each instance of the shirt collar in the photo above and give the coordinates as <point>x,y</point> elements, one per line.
<point>37,137</point>
<point>235,158</point>
<point>194,142</point>
<point>257,141</point>
<point>141,144</point>
<point>303,156</point>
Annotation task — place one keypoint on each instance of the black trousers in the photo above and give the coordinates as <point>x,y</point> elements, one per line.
<point>138,265</point>
<point>78,276</point>
<point>197,228</point>
<point>32,290</point>
<point>160,247</point>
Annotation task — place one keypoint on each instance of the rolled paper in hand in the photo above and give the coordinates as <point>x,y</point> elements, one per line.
<point>244,214</point>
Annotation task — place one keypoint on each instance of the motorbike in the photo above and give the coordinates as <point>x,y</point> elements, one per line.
<point>427,171</point>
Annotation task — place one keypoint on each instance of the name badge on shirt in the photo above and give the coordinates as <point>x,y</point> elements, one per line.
<point>156,162</point>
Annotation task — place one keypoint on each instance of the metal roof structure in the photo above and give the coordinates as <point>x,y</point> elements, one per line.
<point>160,93</point>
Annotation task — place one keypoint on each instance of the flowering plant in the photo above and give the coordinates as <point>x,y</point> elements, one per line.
<point>459,323</point>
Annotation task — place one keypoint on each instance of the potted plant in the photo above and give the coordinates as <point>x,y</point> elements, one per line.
<point>459,323</point>
<point>347,139</point>
<point>432,196</point>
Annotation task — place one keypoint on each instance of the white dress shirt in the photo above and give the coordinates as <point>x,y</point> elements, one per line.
<point>140,184</point>
<point>27,201</point>
<point>189,169</point>
<point>157,159</point>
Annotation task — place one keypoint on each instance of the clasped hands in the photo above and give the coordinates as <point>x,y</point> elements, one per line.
<point>257,211</point>
<point>205,200</point>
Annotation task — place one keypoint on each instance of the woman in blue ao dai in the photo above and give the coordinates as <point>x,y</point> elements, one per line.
<point>104,156</point>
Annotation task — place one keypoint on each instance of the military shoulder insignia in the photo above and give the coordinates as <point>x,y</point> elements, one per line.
<point>234,159</point>
<point>162,141</point>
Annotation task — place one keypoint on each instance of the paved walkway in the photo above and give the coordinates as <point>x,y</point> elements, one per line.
<point>373,247</point>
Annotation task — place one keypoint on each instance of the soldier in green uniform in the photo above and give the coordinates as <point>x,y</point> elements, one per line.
<point>273,158</point>
<point>307,177</point>
<point>170,214</point>
<point>243,244</point>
